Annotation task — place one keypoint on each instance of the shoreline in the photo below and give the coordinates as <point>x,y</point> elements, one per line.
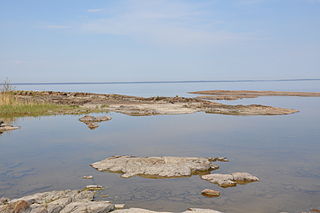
<point>82,103</point>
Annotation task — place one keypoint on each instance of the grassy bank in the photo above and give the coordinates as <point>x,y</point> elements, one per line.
<point>34,109</point>
<point>11,106</point>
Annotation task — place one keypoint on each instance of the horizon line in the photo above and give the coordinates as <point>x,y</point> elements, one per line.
<point>160,82</point>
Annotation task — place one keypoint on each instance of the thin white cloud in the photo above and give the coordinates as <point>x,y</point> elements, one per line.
<point>165,21</point>
<point>95,10</point>
<point>57,27</point>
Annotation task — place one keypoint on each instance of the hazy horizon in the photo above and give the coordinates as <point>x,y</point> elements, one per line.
<point>159,40</point>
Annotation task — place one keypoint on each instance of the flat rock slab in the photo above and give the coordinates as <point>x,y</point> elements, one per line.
<point>227,180</point>
<point>67,201</point>
<point>155,166</point>
<point>92,121</point>
<point>70,201</point>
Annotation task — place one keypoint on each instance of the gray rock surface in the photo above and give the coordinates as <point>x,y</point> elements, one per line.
<point>70,201</point>
<point>227,180</point>
<point>67,201</point>
<point>92,121</point>
<point>155,166</point>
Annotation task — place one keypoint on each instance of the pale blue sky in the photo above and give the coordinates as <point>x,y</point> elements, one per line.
<point>140,40</point>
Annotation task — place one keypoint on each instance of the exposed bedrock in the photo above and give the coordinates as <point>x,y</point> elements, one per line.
<point>156,166</point>
<point>69,201</point>
<point>140,106</point>
<point>227,180</point>
<point>92,121</point>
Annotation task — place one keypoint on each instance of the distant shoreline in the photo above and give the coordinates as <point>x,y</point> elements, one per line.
<point>157,82</point>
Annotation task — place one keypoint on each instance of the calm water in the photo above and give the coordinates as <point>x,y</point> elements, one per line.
<point>53,153</point>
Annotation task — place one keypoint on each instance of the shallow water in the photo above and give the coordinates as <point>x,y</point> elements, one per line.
<point>51,153</point>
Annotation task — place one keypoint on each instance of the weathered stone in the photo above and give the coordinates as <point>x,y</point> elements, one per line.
<point>92,121</point>
<point>68,201</point>
<point>94,187</point>
<point>155,166</point>
<point>119,206</point>
<point>71,201</point>
<point>87,177</point>
<point>140,106</point>
<point>210,193</point>
<point>227,180</point>
<point>4,200</point>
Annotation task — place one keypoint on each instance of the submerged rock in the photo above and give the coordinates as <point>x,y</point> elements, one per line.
<point>155,166</point>
<point>227,180</point>
<point>71,201</point>
<point>92,121</point>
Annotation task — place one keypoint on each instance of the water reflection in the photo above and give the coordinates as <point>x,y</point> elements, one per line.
<point>52,153</point>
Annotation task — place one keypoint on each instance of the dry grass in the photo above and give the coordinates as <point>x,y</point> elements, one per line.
<point>11,106</point>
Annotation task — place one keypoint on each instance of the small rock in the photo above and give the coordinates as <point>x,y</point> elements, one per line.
<point>227,180</point>
<point>87,177</point>
<point>92,125</point>
<point>222,159</point>
<point>89,119</point>
<point>119,206</point>
<point>210,193</point>
<point>94,187</point>
<point>3,200</point>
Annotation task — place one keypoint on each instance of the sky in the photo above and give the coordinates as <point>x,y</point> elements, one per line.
<point>158,40</point>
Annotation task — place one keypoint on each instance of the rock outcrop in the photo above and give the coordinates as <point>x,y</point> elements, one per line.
<point>240,94</point>
<point>70,201</point>
<point>92,121</point>
<point>155,166</point>
<point>140,106</point>
<point>210,193</point>
<point>227,180</point>
<point>67,201</point>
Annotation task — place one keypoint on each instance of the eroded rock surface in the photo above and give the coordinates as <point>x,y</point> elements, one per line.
<point>155,166</point>
<point>227,180</point>
<point>92,121</point>
<point>240,94</point>
<point>70,201</point>
<point>210,193</point>
<point>140,106</point>
<point>67,201</point>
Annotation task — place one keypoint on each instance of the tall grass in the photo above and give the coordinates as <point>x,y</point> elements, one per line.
<point>6,94</point>
<point>11,106</point>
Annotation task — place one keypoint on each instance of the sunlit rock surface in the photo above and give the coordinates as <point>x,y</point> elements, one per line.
<point>227,180</point>
<point>155,166</point>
